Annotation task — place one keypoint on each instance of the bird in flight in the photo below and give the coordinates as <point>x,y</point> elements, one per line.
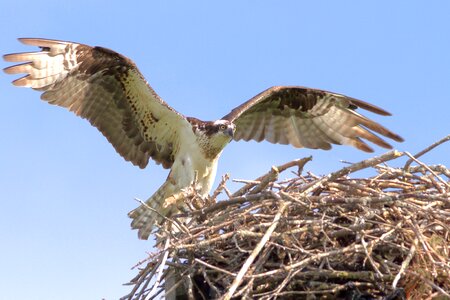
<point>107,89</point>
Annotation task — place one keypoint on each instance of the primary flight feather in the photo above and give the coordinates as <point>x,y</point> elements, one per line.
<point>107,89</point>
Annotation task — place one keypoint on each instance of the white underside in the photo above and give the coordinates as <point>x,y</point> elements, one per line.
<point>189,165</point>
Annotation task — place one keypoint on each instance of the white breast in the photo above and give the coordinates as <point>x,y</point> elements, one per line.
<point>191,162</point>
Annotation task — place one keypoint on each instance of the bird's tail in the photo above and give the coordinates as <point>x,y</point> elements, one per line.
<point>154,211</point>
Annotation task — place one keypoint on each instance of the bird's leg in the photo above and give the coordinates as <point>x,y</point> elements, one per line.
<point>192,194</point>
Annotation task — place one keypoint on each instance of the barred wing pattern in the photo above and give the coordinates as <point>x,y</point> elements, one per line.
<point>310,118</point>
<point>108,90</point>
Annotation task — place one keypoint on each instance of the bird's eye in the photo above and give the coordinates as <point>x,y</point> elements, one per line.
<point>222,127</point>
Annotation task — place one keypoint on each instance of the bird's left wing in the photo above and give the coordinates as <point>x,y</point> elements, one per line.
<point>107,89</point>
<point>310,118</point>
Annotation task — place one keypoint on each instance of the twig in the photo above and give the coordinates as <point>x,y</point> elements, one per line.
<point>427,149</point>
<point>369,257</point>
<point>405,263</point>
<point>235,200</point>
<point>237,281</point>
<point>214,267</point>
<point>160,269</point>
<point>221,186</point>
<point>271,177</point>
<point>157,212</point>
<point>428,169</point>
<point>300,163</point>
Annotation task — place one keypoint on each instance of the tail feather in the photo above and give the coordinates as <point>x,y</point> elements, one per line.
<point>145,217</point>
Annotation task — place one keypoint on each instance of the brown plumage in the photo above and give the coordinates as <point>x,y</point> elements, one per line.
<point>311,118</point>
<point>107,89</point>
<point>92,83</point>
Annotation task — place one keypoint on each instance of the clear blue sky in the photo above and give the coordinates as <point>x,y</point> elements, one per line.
<point>64,228</point>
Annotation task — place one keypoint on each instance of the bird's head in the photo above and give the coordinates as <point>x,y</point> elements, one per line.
<point>219,132</point>
<point>213,135</point>
<point>224,128</point>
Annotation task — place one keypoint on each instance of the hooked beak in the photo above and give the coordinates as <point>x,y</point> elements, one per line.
<point>230,131</point>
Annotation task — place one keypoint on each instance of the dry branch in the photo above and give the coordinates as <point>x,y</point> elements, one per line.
<point>330,236</point>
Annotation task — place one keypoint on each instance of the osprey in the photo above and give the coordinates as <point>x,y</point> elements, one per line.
<point>107,89</point>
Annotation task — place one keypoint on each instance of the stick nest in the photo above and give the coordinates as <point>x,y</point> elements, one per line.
<point>310,237</point>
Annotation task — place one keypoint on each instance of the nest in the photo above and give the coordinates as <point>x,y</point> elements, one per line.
<point>311,237</point>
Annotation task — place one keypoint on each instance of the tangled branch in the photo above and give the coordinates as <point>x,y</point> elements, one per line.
<point>326,236</point>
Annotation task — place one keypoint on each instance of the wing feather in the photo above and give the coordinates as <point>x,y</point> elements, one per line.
<point>311,118</point>
<point>305,134</point>
<point>108,90</point>
<point>258,131</point>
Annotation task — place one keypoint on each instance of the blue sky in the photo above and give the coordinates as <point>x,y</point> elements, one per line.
<point>66,193</point>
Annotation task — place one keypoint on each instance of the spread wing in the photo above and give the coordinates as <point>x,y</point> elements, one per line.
<point>108,90</point>
<point>310,118</point>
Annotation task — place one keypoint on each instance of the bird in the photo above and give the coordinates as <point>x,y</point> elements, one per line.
<point>107,89</point>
